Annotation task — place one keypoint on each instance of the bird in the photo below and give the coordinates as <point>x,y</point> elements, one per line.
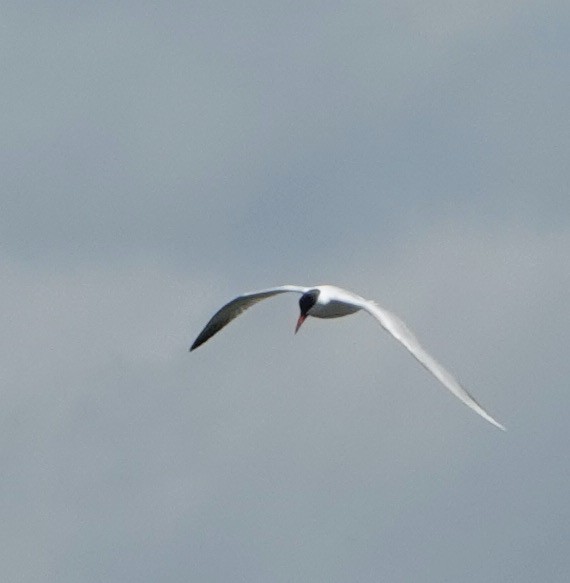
<point>328,301</point>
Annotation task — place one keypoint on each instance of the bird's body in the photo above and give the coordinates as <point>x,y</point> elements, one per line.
<point>328,301</point>
<point>334,302</point>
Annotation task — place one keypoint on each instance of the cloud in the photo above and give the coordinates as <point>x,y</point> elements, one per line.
<point>161,160</point>
<point>135,443</point>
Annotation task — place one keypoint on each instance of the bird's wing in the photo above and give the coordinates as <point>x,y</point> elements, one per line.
<point>403,334</point>
<point>237,306</point>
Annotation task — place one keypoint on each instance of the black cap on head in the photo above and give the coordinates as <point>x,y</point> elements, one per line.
<point>308,300</point>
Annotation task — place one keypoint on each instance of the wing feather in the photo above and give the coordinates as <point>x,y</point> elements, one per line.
<point>405,336</point>
<point>236,307</point>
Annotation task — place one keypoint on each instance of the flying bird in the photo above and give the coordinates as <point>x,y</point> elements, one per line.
<point>327,301</point>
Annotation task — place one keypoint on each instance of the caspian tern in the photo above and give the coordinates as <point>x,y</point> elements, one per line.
<point>327,301</point>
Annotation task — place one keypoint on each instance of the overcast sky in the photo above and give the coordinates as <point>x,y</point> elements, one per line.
<point>160,158</point>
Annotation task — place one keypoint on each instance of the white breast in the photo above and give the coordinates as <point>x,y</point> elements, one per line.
<point>335,302</point>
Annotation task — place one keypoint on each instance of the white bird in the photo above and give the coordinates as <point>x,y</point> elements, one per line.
<point>327,301</point>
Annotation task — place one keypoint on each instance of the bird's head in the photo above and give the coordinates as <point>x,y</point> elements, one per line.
<point>307,301</point>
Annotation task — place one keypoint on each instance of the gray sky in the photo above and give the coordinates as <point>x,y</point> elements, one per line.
<point>158,159</point>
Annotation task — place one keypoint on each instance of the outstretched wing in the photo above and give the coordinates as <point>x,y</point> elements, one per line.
<point>237,306</point>
<point>403,334</point>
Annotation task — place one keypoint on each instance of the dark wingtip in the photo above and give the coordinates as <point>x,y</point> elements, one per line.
<point>198,342</point>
